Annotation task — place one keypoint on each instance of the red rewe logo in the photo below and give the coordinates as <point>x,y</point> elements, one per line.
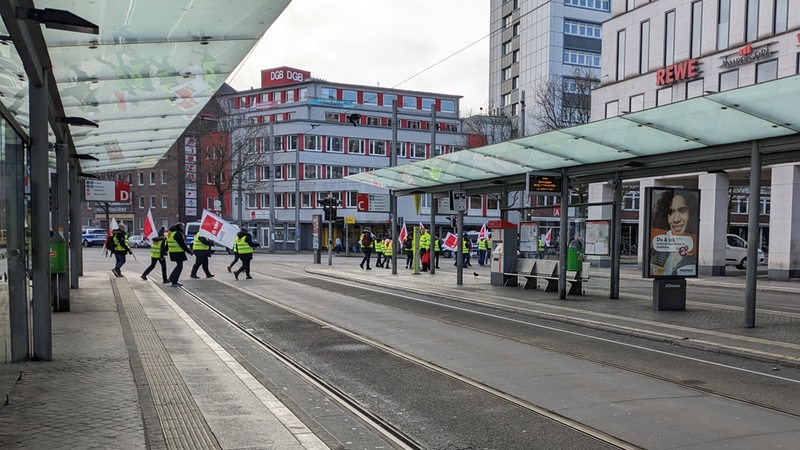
<point>746,50</point>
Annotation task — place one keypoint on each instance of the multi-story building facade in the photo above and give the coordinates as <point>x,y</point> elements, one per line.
<point>323,131</point>
<point>538,46</point>
<point>657,53</point>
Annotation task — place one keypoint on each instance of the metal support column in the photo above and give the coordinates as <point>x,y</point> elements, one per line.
<point>432,232</point>
<point>60,199</point>
<point>562,237</point>
<point>75,247</point>
<point>392,197</point>
<point>17,282</point>
<point>616,239</point>
<point>752,236</point>
<point>40,229</point>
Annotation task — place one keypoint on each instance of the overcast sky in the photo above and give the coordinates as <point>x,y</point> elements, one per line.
<point>391,43</point>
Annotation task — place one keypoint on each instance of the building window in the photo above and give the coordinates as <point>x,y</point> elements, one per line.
<point>291,172</point>
<point>694,88</point>
<point>669,38</point>
<point>413,124</point>
<point>400,149</point>
<point>630,201</point>
<point>312,171</point>
<point>447,106</point>
<point>311,143</point>
<point>418,151</point>
<point>620,55</point>
<point>505,100</point>
<point>377,148</point>
<point>409,102</point>
<point>515,57</point>
<point>696,30</point>
<point>388,99</point>
<point>766,71</point>
<point>723,24</point>
<point>164,202</point>
<point>328,93</point>
<point>350,96</point>
<point>369,98</point>
<point>506,74</point>
<point>439,150</point>
<point>152,201</point>
<point>664,96</point>
<point>292,142</point>
<point>163,177</point>
<point>373,121</point>
<point>141,202</point>
<point>515,83</point>
<point>780,22</point>
<point>152,178</point>
<point>508,20</point>
<point>305,200</point>
<point>141,178</point>
<point>428,104</point>
<point>583,29</point>
<point>331,117</point>
<point>335,144</point>
<point>581,58</point>
<point>612,109</point>
<point>265,175</point>
<point>335,172</point>
<point>751,20</point>
<point>636,103</point>
<point>506,47</point>
<point>600,5</point>
<point>729,80</point>
<point>644,47</point>
<point>355,146</point>
<point>290,96</point>
<point>250,173</point>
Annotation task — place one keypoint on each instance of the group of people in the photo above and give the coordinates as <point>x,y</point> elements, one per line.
<point>172,243</point>
<point>430,248</point>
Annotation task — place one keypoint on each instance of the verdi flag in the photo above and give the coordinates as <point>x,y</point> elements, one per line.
<point>150,231</point>
<point>450,241</point>
<point>547,237</point>
<point>217,229</point>
<point>403,234</point>
<point>483,234</point>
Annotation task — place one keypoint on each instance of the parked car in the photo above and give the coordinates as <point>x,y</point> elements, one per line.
<point>138,241</point>
<point>736,252</point>
<point>91,237</point>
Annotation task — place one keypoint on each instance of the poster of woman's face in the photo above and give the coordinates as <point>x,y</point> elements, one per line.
<point>674,221</point>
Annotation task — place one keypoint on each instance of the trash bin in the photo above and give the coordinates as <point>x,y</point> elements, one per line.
<point>574,255</point>
<point>58,254</point>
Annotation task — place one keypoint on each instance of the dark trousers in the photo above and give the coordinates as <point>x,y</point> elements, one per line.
<point>367,253</point>
<point>245,258</point>
<point>153,262</point>
<point>120,257</point>
<point>200,260</point>
<point>176,272</point>
<point>436,259</point>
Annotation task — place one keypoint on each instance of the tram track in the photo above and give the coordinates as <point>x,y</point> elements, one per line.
<point>380,426</point>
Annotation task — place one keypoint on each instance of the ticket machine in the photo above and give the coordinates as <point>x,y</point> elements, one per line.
<point>504,250</point>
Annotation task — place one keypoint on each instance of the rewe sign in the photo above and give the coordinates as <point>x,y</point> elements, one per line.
<point>677,72</point>
<point>280,76</point>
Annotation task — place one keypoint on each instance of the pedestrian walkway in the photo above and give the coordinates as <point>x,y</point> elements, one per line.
<point>132,370</point>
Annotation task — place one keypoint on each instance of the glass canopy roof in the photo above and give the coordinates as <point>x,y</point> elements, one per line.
<point>144,77</point>
<point>762,111</point>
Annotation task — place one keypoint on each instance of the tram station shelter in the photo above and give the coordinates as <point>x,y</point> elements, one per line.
<point>754,127</point>
<point>89,87</point>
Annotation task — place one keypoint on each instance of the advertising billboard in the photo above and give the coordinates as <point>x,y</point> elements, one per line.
<point>672,224</point>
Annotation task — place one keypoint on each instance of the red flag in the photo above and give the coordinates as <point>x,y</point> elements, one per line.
<point>483,234</point>
<point>149,226</point>
<point>421,227</point>
<point>403,234</point>
<point>547,237</point>
<point>113,226</point>
<point>450,241</point>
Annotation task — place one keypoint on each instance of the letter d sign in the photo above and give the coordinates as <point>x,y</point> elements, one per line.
<point>122,192</point>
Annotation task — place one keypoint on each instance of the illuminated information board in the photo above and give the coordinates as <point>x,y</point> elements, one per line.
<point>544,184</point>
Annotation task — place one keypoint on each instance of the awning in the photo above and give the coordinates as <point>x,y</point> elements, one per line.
<point>634,142</point>
<point>142,79</point>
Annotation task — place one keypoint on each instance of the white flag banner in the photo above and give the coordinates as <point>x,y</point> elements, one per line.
<point>150,231</point>
<point>217,229</point>
<point>450,241</point>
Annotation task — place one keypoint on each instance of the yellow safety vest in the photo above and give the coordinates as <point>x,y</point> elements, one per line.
<point>172,244</point>
<point>425,241</point>
<point>197,245</point>
<point>241,247</point>
<point>155,249</point>
<point>387,249</point>
<point>117,244</point>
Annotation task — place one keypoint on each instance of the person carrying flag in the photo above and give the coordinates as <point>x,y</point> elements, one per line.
<point>158,253</point>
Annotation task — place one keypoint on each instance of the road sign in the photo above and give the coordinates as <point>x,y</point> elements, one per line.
<point>458,200</point>
<point>372,202</point>
<point>107,191</point>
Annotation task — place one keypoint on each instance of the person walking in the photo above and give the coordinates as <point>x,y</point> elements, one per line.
<point>367,240</point>
<point>424,249</point>
<point>338,245</point>
<point>437,250</point>
<point>408,246</point>
<point>118,243</point>
<point>177,249</point>
<point>387,253</point>
<point>201,246</point>
<point>379,248</point>
<point>243,246</point>
<point>158,253</point>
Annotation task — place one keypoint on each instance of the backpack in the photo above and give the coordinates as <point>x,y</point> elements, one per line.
<point>366,241</point>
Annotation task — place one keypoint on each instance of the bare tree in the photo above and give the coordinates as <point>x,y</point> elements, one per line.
<point>234,147</point>
<point>496,127</point>
<point>563,101</point>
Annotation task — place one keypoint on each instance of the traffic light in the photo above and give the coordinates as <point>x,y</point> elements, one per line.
<point>329,205</point>
<point>454,221</point>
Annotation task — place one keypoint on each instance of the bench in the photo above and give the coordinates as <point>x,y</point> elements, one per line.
<point>534,269</point>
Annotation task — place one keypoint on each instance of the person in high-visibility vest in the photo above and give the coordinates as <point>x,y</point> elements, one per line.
<point>177,249</point>
<point>481,251</point>
<point>201,246</point>
<point>158,253</point>
<point>437,250</point>
<point>387,253</point>
<point>379,247</point>
<point>243,246</point>
<point>424,248</point>
<point>118,244</point>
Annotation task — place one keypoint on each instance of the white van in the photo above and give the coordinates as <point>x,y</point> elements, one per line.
<point>736,252</point>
